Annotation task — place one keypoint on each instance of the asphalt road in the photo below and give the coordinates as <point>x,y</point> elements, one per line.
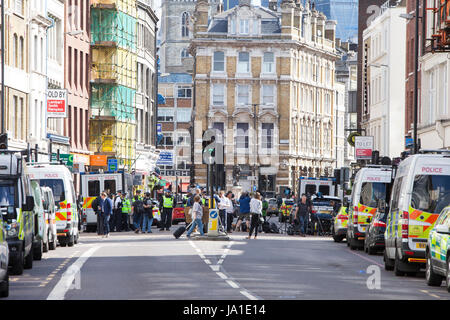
<point>157,266</point>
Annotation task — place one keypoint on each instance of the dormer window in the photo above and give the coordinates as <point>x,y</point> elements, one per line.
<point>243,27</point>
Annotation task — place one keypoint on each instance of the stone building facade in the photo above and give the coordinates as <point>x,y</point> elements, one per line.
<point>265,79</point>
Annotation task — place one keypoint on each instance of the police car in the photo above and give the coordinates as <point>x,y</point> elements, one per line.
<point>438,251</point>
<point>339,227</point>
<point>4,260</point>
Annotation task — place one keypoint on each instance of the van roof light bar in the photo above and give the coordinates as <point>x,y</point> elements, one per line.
<point>437,151</point>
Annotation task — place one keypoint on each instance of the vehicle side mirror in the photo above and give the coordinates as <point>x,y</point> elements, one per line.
<point>29,204</point>
<point>381,205</point>
<point>442,228</point>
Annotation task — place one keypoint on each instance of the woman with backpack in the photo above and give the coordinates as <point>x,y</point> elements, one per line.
<point>255,211</point>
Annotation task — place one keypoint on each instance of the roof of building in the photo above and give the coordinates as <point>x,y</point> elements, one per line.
<point>175,78</point>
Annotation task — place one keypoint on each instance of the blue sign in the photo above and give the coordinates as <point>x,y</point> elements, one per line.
<point>158,127</point>
<point>161,99</point>
<point>409,142</point>
<point>213,214</point>
<point>254,188</point>
<point>165,158</point>
<point>112,164</point>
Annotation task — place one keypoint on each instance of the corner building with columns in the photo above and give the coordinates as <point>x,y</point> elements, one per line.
<point>264,77</point>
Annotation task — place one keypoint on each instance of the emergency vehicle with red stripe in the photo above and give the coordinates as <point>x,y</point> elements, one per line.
<point>371,184</point>
<point>420,192</point>
<point>59,178</point>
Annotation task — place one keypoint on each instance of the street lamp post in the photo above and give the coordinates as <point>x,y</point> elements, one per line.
<point>416,75</point>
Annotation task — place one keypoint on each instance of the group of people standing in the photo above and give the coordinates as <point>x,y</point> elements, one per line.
<point>112,212</point>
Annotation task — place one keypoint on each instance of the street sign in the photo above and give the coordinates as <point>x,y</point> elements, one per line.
<point>112,164</point>
<point>363,147</point>
<point>165,158</point>
<point>252,178</point>
<point>254,188</point>
<point>158,128</point>
<point>213,224</point>
<point>67,159</point>
<point>56,103</point>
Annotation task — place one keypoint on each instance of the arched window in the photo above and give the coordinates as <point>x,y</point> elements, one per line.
<point>21,64</point>
<point>15,51</point>
<point>184,24</point>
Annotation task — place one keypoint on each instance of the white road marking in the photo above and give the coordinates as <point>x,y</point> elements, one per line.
<point>232,284</point>
<point>220,261</point>
<point>215,268</point>
<point>64,284</point>
<point>248,295</point>
<point>207,261</point>
<point>220,274</point>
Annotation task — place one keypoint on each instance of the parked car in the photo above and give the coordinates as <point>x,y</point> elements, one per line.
<point>438,251</point>
<point>374,240</point>
<point>178,213</point>
<point>339,226</point>
<point>50,218</point>
<point>4,258</point>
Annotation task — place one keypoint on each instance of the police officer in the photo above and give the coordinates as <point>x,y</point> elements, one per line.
<point>117,212</point>
<point>166,216</point>
<point>126,210</point>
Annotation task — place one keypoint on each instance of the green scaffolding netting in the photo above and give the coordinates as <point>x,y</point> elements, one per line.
<point>113,100</point>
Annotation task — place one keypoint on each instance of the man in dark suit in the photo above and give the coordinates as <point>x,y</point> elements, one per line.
<point>106,212</point>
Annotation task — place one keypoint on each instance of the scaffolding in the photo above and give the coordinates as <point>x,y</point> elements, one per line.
<point>113,28</point>
<point>112,129</point>
<point>440,38</point>
<point>114,66</point>
<point>113,101</point>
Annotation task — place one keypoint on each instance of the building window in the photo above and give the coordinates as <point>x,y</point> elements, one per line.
<point>269,62</point>
<point>184,53</point>
<point>184,92</point>
<point>242,135</point>
<point>218,94</point>
<point>268,94</point>
<point>432,97</point>
<point>184,24</point>
<point>183,139</point>
<point>243,94</point>
<point>166,114</point>
<point>243,27</point>
<point>267,135</point>
<point>18,6</point>
<point>21,53</point>
<point>219,126</point>
<point>167,139</point>
<point>15,50</point>
<point>219,61</point>
<point>232,26</point>
<point>243,62</point>
<point>183,114</point>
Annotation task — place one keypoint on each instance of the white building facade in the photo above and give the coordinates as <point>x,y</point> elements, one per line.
<point>383,109</point>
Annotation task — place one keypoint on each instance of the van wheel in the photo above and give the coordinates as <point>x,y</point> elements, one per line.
<point>448,274</point>
<point>431,277</point>
<point>352,244</point>
<point>29,260</point>
<point>71,241</point>
<point>17,269</point>
<point>76,238</point>
<point>4,287</point>
<point>37,251</point>
<point>45,246</point>
<point>52,245</point>
<point>338,238</point>
<point>371,251</point>
<point>388,263</point>
<point>397,262</point>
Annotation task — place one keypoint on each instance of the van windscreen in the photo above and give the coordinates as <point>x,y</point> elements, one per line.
<point>325,190</point>
<point>371,192</point>
<point>57,186</point>
<point>431,193</point>
<point>310,189</point>
<point>7,194</point>
<point>94,188</point>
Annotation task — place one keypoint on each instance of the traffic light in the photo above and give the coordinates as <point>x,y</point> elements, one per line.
<point>375,157</point>
<point>337,176</point>
<point>3,141</point>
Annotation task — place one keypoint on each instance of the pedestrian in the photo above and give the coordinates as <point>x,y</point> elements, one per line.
<point>137,208</point>
<point>148,214</point>
<point>97,207</point>
<point>166,217</point>
<point>126,210</point>
<point>188,207</point>
<point>197,214</point>
<point>244,210</point>
<point>106,212</point>
<point>230,211</point>
<point>117,210</point>
<point>223,204</point>
<point>256,212</point>
<point>265,206</point>
<point>301,214</point>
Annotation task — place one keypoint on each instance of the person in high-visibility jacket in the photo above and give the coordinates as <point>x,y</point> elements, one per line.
<point>126,210</point>
<point>166,216</point>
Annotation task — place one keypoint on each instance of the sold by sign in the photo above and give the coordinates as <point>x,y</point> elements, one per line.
<point>56,103</point>
<point>363,147</point>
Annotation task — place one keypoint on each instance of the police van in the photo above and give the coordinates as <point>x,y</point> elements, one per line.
<point>92,184</point>
<point>311,186</point>
<point>372,184</point>
<point>58,178</point>
<point>4,261</point>
<point>16,206</point>
<point>421,191</point>
<point>40,226</point>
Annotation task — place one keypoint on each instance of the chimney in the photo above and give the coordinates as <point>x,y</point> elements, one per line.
<point>201,16</point>
<point>338,43</point>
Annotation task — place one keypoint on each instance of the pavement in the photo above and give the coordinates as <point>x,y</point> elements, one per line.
<point>158,266</point>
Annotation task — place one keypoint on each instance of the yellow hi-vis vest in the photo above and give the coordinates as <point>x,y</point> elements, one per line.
<point>126,206</point>
<point>167,202</point>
